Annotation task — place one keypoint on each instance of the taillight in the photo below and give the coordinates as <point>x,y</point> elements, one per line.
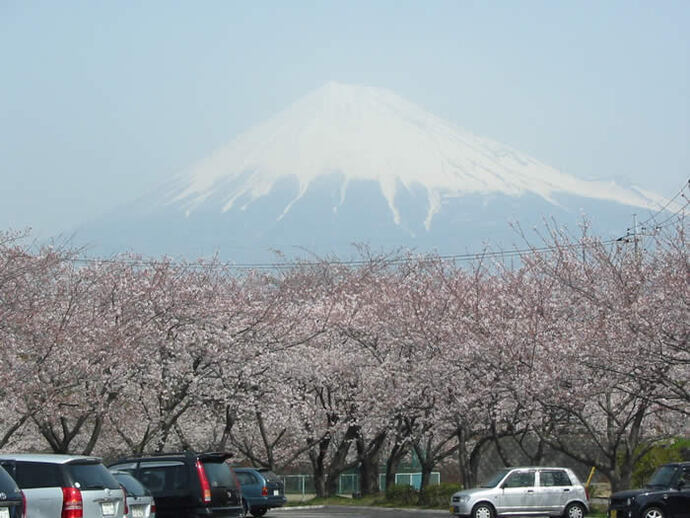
<point>205,486</point>
<point>153,509</point>
<point>124,495</point>
<point>23,504</point>
<point>587,492</point>
<point>264,491</point>
<point>72,506</point>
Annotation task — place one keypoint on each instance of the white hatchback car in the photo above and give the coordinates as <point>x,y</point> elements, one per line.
<point>72,486</point>
<point>543,491</point>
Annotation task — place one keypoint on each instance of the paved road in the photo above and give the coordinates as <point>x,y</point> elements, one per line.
<point>354,512</point>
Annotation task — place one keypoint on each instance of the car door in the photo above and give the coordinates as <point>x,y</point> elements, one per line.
<point>554,490</point>
<point>678,501</point>
<point>251,490</point>
<point>518,492</point>
<point>170,482</point>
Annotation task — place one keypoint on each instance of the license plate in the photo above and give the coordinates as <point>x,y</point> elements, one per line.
<point>276,492</point>
<point>612,513</point>
<point>4,512</point>
<point>108,508</point>
<point>138,512</point>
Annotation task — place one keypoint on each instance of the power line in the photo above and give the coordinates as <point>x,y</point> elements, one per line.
<point>465,257</point>
<point>679,194</point>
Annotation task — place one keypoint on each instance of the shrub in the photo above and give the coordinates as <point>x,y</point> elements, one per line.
<point>439,495</point>
<point>677,450</point>
<point>402,494</point>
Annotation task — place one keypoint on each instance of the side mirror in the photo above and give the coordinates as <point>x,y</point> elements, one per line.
<point>681,484</point>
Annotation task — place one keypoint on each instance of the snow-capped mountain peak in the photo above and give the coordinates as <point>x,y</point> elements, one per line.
<point>366,133</point>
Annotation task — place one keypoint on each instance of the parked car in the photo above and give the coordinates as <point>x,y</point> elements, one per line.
<point>187,485</point>
<point>67,486</point>
<point>666,495</point>
<point>140,502</point>
<point>261,490</point>
<point>12,503</point>
<point>542,491</point>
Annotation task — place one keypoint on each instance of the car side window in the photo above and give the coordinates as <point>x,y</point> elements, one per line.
<point>129,467</point>
<point>164,478</point>
<point>554,478</point>
<point>245,478</point>
<point>520,479</point>
<point>31,475</point>
<point>685,477</point>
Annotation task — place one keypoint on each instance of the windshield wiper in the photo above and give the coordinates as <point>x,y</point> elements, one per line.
<point>94,486</point>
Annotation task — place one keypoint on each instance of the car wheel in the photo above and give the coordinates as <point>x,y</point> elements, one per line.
<point>483,511</point>
<point>259,512</point>
<point>653,512</point>
<point>575,510</point>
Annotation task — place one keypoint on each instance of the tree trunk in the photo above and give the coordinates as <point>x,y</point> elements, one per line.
<point>368,456</point>
<point>317,457</point>
<point>398,451</point>
<point>338,464</point>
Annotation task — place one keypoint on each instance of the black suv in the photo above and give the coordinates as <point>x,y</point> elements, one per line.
<point>666,495</point>
<point>12,503</point>
<point>188,485</point>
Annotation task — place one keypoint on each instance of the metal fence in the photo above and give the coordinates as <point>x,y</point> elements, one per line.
<point>348,483</point>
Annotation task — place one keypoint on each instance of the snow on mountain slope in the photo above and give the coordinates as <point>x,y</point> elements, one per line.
<point>366,133</point>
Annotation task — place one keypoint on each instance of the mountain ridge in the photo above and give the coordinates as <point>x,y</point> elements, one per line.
<point>372,133</point>
<point>349,164</point>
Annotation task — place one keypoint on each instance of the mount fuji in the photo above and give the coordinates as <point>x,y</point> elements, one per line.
<point>354,164</point>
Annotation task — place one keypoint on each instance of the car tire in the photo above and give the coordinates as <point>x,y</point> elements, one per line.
<point>653,512</point>
<point>483,510</point>
<point>257,513</point>
<point>575,510</point>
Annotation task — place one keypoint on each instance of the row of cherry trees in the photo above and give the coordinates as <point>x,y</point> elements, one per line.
<point>582,349</point>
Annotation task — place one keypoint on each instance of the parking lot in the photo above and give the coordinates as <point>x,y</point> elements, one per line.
<point>352,512</point>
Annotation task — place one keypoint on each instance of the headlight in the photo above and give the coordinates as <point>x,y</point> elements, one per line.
<point>464,498</point>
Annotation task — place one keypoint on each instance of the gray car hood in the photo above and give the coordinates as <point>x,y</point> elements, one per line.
<point>473,491</point>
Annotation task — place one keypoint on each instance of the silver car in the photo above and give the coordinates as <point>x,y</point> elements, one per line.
<point>65,485</point>
<point>524,491</point>
<point>140,502</point>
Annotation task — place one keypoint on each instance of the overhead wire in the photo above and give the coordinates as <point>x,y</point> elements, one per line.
<point>679,194</point>
<point>464,257</point>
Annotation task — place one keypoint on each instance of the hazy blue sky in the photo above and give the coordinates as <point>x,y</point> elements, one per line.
<point>101,101</point>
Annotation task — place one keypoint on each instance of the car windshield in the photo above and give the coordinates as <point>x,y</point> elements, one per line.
<point>663,477</point>
<point>496,478</point>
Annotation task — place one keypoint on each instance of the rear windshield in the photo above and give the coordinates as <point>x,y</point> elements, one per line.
<point>7,483</point>
<point>132,485</point>
<point>218,474</point>
<point>270,476</point>
<point>92,476</point>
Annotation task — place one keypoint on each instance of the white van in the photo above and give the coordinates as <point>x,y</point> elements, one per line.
<point>60,486</point>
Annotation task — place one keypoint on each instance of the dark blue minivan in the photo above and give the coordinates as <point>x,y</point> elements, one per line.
<point>261,490</point>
